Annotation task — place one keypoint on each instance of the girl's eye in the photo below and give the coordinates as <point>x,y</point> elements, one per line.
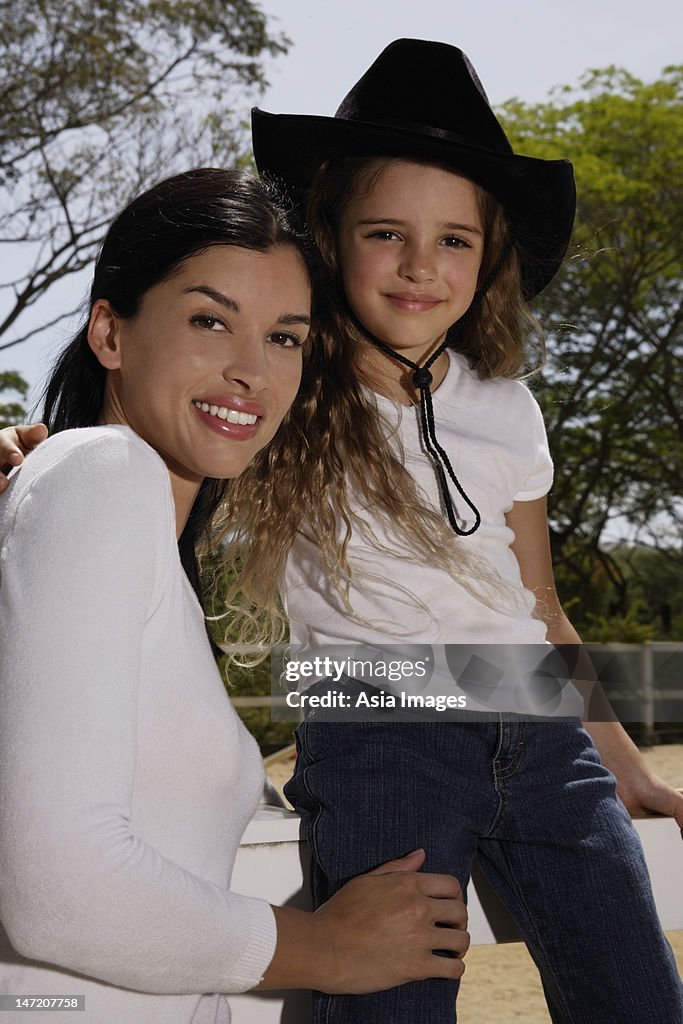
<point>385,235</point>
<point>208,322</point>
<point>455,242</point>
<point>286,340</point>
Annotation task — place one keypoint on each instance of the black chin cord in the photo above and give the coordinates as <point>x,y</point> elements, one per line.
<point>422,379</point>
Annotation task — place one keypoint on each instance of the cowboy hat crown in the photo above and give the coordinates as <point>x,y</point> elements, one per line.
<point>409,77</point>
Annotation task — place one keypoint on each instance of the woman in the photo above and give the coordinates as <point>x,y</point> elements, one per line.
<point>127,779</point>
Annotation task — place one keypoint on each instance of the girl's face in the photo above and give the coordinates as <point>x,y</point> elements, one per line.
<point>410,247</point>
<point>207,368</point>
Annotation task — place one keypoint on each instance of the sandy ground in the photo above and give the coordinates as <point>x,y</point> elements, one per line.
<point>501,983</point>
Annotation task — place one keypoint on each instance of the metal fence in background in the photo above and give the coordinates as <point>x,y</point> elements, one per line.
<point>644,682</point>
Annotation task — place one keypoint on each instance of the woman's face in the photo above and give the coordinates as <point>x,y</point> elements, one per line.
<point>207,368</point>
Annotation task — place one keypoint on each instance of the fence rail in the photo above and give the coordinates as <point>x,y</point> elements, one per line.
<point>644,682</point>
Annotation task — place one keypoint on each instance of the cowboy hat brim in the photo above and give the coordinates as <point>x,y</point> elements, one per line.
<point>538,195</point>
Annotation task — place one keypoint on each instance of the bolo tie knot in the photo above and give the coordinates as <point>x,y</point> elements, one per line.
<point>422,378</point>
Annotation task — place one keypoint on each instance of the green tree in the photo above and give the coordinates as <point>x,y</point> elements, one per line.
<point>612,390</point>
<point>13,411</point>
<point>655,577</point>
<point>99,99</point>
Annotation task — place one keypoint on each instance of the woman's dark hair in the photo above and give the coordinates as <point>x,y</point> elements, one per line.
<point>176,219</point>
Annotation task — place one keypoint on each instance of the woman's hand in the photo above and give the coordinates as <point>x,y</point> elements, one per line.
<point>15,443</point>
<point>380,930</point>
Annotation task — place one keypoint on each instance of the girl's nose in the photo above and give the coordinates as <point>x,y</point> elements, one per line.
<point>417,264</point>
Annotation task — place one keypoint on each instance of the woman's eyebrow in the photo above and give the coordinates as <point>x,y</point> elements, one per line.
<point>234,307</point>
<point>211,293</point>
<point>294,318</point>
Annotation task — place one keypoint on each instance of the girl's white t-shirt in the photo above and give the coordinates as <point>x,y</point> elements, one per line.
<point>494,435</point>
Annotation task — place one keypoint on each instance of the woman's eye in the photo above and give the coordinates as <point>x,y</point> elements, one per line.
<point>208,322</point>
<point>286,340</point>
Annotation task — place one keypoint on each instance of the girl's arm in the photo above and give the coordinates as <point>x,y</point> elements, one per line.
<point>15,443</point>
<point>641,790</point>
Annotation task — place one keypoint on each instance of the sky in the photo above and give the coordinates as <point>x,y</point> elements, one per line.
<point>519,49</point>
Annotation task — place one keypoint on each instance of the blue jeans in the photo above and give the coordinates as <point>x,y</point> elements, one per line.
<point>533,804</point>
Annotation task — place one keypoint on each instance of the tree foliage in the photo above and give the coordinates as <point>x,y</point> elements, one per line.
<point>99,99</point>
<point>13,411</point>
<point>612,388</point>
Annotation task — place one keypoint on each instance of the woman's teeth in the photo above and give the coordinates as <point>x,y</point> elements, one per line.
<point>223,413</point>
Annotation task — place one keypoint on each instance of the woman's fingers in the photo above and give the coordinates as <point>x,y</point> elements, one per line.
<point>448,913</point>
<point>438,886</point>
<point>410,862</point>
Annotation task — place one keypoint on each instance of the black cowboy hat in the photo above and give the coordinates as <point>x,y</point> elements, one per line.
<point>424,99</point>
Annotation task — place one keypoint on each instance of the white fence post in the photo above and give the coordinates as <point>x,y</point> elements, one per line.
<point>647,676</point>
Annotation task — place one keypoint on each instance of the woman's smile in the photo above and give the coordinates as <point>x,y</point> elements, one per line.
<point>230,415</point>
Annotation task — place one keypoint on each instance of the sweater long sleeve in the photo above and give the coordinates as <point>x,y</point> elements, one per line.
<point>127,779</point>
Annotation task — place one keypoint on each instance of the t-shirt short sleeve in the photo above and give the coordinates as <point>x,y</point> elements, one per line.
<point>540,477</point>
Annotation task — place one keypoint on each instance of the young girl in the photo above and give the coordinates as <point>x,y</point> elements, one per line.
<point>436,233</point>
<point>127,779</point>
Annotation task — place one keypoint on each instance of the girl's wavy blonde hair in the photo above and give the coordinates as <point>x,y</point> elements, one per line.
<point>335,443</point>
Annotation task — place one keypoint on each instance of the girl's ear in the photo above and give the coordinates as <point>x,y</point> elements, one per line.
<point>104,335</point>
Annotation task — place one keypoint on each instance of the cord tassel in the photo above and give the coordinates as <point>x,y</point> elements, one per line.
<point>442,462</point>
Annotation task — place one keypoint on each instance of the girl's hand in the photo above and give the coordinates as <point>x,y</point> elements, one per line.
<point>380,930</point>
<point>641,791</point>
<point>15,443</point>
<point>645,793</point>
